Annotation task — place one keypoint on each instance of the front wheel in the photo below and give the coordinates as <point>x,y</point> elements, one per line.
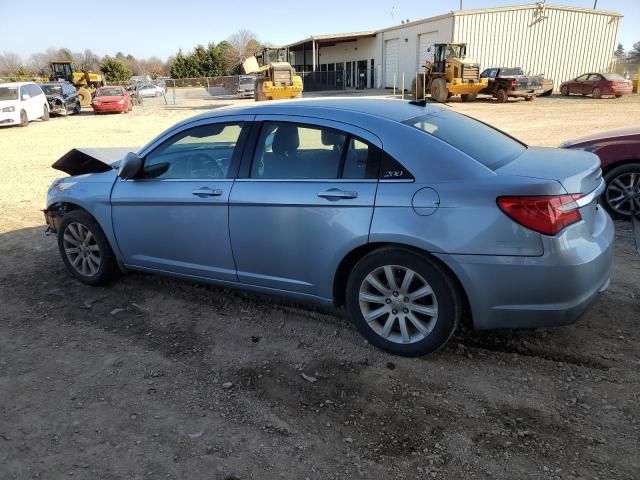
<point>564,91</point>
<point>439,90</point>
<point>622,194</point>
<point>403,302</point>
<point>78,108</point>
<point>85,249</point>
<point>24,119</point>
<point>528,99</point>
<point>45,114</point>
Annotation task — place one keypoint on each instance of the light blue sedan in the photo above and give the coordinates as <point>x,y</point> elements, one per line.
<point>405,216</point>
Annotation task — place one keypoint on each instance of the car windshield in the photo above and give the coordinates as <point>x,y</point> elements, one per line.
<point>613,77</point>
<point>483,143</point>
<point>109,92</point>
<point>52,89</point>
<point>453,51</point>
<point>8,93</point>
<point>505,72</point>
<point>246,80</point>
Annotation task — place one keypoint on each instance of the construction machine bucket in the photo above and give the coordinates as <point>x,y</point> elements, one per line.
<point>250,65</point>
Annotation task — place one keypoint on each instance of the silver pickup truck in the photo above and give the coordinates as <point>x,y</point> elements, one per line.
<point>511,82</point>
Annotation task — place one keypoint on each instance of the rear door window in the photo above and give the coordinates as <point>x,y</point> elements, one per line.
<point>485,144</point>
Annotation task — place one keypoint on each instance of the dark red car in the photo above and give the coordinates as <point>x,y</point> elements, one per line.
<point>111,99</point>
<point>597,85</point>
<point>619,152</point>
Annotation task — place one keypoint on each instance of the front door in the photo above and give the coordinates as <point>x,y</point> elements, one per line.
<point>576,85</point>
<point>174,218</point>
<point>306,201</point>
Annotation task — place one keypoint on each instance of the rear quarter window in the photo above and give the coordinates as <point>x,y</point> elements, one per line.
<point>485,144</point>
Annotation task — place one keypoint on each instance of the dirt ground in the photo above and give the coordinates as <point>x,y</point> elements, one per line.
<point>154,378</point>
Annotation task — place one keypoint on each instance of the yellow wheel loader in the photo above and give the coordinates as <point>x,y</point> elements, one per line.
<point>85,82</point>
<point>279,80</point>
<point>450,73</point>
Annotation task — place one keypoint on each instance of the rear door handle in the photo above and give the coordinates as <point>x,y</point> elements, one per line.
<point>334,193</point>
<point>206,192</point>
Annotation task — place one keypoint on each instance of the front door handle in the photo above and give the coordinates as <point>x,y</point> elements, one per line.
<point>206,192</point>
<point>334,193</point>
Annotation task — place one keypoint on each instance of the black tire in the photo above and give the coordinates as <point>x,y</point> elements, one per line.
<point>546,94</point>
<point>449,303</point>
<point>501,96</point>
<point>78,108</point>
<point>439,90</point>
<point>45,115</point>
<point>108,267</point>
<point>618,96</point>
<point>529,99</point>
<point>468,97</point>
<point>24,119</point>
<point>596,93</point>
<point>564,90</point>
<point>609,178</point>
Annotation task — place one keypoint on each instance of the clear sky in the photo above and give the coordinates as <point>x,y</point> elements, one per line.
<point>161,27</point>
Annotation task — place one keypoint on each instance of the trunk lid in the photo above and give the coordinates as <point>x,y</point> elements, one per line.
<point>577,171</point>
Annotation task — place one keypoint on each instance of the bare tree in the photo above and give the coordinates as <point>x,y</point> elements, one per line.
<point>9,63</point>
<point>239,46</point>
<point>87,60</point>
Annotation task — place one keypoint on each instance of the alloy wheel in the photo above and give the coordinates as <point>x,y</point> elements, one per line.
<point>623,193</point>
<point>398,304</point>
<point>81,249</point>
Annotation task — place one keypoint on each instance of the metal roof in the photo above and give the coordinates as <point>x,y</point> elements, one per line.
<point>337,37</point>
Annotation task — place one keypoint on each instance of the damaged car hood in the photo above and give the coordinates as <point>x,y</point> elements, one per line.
<point>81,161</point>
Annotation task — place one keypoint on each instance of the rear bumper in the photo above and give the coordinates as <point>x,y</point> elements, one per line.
<point>618,90</point>
<point>526,92</point>
<point>530,292</point>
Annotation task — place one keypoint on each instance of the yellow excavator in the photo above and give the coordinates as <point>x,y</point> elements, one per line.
<point>450,73</point>
<point>85,82</point>
<point>279,80</point>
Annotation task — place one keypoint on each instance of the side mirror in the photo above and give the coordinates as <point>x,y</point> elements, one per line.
<point>25,97</point>
<point>130,167</point>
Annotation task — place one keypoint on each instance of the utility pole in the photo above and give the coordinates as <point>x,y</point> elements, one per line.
<point>595,4</point>
<point>461,4</point>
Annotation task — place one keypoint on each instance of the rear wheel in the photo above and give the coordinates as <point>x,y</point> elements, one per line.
<point>618,96</point>
<point>85,250</point>
<point>24,119</point>
<point>596,93</point>
<point>564,90</point>
<point>439,90</point>
<point>468,97</point>
<point>622,191</point>
<point>528,99</point>
<point>84,95</point>
<point>501,95</point>
<point>403,302</point>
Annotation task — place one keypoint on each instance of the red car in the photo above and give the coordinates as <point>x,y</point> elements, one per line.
<point>597,85</point>
<point>111,99</point>
<point>619,152</point>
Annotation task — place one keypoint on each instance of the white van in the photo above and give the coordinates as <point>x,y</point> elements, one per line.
<point>21,102</point>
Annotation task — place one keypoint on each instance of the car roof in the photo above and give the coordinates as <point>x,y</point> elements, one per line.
<point>16,84</point>
<point>340,109</point>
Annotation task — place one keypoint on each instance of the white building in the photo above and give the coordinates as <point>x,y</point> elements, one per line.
<point>559,42</point>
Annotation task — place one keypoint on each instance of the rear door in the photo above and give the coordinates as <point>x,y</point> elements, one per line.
<point>306,199</point>
<point>592,82</point>
<point>174,218</point>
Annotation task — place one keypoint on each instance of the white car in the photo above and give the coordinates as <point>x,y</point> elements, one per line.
<point>22,102</point>
<point>150,91</point>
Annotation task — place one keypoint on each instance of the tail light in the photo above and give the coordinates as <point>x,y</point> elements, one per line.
<point>513,83</point>
<point>546,214</point>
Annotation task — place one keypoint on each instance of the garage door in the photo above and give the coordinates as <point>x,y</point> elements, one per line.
<point>391,61</point>
<point>425,40</point>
